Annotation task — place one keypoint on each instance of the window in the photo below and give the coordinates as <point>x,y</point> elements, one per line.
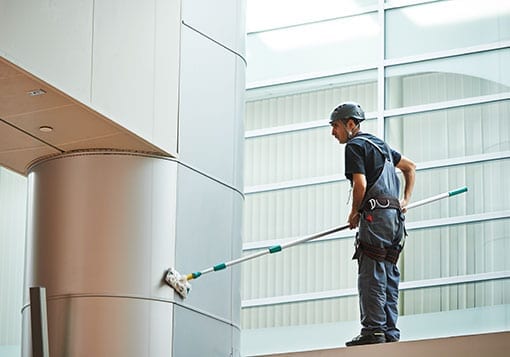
<point>439,94</point>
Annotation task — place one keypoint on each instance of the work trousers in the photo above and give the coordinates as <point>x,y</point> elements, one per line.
<point>378,297</point>
<point>378,280</point>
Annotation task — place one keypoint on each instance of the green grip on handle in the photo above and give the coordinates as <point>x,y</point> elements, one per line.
<point>457,191</point>
<point>275,249</point>
<point>220,266</point>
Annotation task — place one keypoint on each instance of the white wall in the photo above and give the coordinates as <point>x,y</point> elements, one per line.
<point>13,198</point>
<point>119,57</point>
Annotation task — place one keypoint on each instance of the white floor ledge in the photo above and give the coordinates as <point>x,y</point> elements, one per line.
<point>490,344</point>
<point>466,323</point>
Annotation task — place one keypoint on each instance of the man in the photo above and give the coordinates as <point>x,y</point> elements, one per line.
<point>370,166</point>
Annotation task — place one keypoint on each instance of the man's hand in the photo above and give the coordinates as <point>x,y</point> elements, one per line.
<point>353,220</point>
<point>408,169</point>
<point>359,186</point>
<point>403,205</point>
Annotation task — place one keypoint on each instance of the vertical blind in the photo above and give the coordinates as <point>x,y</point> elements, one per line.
<point>13,195</point>
<point>430,252</point>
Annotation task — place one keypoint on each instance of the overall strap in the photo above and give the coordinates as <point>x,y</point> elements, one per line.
<point>378,148</point>
<point>378,189</point>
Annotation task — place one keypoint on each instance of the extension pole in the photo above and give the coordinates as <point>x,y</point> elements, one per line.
<point>270,250</point>
<point>278,248</point>
<point>438,197</point>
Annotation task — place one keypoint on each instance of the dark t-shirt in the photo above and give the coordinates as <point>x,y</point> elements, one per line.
<point>361,157</point>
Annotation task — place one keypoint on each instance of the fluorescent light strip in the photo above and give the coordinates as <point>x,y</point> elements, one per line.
<point>333,294</point>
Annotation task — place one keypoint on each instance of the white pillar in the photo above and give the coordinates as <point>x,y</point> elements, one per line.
<point>103,227</point>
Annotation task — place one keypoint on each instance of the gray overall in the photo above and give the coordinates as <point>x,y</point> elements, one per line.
<point>381,231</point>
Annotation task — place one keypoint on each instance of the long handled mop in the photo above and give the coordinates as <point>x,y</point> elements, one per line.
<point>182,286</point>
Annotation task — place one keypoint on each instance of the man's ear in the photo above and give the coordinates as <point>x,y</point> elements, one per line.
<point>351,124</point>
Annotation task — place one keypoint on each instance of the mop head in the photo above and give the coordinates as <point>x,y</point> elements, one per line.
<point>178,282</point>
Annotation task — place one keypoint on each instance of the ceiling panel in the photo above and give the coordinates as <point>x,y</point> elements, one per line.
<point>70,123</point>
<point>15,97</point>
<point>74,126</point>
<point>119,140</point>
<point>18,149</point>
<point>7,71</point>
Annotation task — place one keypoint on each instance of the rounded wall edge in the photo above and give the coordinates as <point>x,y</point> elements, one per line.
<point>105,327</point>
<point>101,222</point>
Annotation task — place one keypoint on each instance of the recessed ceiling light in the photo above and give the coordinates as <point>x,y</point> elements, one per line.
<point>36,92</point>
<point>46,129</point>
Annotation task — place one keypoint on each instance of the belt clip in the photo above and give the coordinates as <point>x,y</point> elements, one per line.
<point>374,203</point>
<point>386,205</point>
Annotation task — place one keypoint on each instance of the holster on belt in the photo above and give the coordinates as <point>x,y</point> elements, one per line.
<point>390,254</point>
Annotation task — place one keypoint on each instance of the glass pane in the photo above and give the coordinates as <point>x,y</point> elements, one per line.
<point>441,252</point>
<point>457,250</point>
<point>429,253</point>
<point>487,183</point>
<point>303,266</point>
<point>445,25</point>
<point>458,297</point>
<point>448,79</point>
<point>267,14</point>
<point>295,212</point>
<point>438,252</point>
<point>13,223</point>
<point>312,50</point>
<point>295,155</point>
<point>451,133</point>
<point>301,313</point>
<point>309,100</point>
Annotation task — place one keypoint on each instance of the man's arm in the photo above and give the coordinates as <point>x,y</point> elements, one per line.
<point>359,187</point>
<point>408,169</point>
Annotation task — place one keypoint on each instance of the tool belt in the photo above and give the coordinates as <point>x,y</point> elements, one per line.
<point>380,254</point>
<point>390,254</point>
<point>381,202</point>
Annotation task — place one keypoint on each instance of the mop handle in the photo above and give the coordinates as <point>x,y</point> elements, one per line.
<point>437,197</point>
<point>270,250</point>
<point>278,248</point>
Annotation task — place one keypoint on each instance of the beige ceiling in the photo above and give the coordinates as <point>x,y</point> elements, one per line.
<point>75,126</point>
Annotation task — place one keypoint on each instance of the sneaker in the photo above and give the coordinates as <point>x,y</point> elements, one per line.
<point>391,339</point>
<point>376,337</point>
